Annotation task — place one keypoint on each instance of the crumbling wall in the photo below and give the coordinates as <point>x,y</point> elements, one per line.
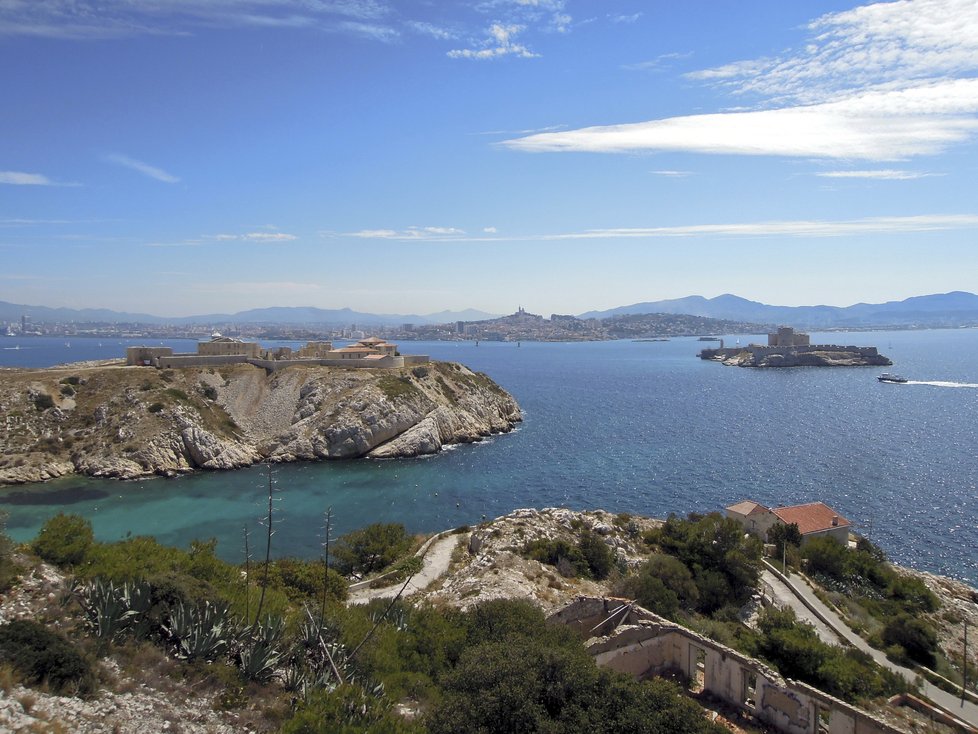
<point>642,644</point>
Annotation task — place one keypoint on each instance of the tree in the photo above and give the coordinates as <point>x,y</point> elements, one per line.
<point>371,548</point>
<point>64,540</point>
<point>662,585</point>
<point>781,535</point>
<point>826,555</point>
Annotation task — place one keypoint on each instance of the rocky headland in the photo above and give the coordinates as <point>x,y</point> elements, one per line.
<point>108,420</point>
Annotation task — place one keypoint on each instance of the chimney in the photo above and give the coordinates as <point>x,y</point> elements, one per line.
<point>835,521</point>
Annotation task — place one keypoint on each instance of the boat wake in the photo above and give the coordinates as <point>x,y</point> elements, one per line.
<point>937,383</point>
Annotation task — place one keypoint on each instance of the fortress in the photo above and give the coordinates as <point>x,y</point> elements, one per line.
<point>222,350</point>
<point>789,348</point>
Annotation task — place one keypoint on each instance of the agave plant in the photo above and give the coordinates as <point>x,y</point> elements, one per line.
<point>260,652</point>
<point>199,632</point>
<point>111,610</point>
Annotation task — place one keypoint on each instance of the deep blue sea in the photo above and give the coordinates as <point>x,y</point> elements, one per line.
<point>642,427</point>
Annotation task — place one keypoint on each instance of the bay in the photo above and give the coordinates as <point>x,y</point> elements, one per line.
<point>640,427</point>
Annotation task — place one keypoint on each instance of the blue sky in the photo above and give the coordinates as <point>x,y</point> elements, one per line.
<point>193,156</point>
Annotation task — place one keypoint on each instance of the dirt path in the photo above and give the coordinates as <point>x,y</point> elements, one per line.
<point>437,559</point>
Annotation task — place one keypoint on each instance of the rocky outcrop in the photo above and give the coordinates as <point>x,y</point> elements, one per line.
<point>821,358</point>
<point>129,422</point>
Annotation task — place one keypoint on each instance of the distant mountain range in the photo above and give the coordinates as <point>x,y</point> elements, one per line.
<point>275,315</point>
<point>957,308</point>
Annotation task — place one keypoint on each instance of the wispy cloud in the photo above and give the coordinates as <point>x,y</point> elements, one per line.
<point>20,178</point>
<point>886,174</point>
<point>430,29</point>
<point>880,125</point>
<point>140,167</point>
<point>411,233</point>
<point>886,81</point>
<point>658,63</point>
<point>626,19</point>
<point>98,19</point>
<point>500,42</point>
<point>673,174</point>
<point>777,228</point>
<point>267,237</point>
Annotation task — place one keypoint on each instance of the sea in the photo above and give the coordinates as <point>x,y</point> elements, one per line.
<point>641,427</point>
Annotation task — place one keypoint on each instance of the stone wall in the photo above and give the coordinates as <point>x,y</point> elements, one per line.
<point>632,640</point>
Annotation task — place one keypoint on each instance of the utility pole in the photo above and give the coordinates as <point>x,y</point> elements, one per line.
<point>964,682</point>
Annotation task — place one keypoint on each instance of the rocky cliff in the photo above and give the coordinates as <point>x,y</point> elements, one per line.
<point>129,422</point>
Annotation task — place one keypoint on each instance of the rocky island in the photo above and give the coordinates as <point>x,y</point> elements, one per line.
<point>788,348</point>
<point>110,420</point>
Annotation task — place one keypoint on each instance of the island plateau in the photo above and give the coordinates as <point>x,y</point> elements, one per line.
<point>127,421</point>
<point>788,348</point>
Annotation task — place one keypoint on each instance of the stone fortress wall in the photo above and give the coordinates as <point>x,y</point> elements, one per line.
<point>220,351</point>
<point>632,640</point>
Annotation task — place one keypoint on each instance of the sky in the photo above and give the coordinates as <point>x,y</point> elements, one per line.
<point>179,157</point>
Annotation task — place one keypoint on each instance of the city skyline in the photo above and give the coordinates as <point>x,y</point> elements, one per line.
<point>181,157</point>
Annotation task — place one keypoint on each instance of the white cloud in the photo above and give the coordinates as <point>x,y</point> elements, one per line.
<point>18,178</point>
<point>875,125</point>
<point>776,228</point>
<point>94,19</point>
<point>499,43</point>
<point>430,29</point>
<point>887,174</point>
<point>144,168</point>
<point>659,62</point>
<point>673,174</point>
<point>411,233</point>
<point>627,19</point>
<point>885,81</point>
<point>489,230</point>
<point>268,237</point>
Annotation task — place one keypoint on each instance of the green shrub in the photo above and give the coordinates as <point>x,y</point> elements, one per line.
<point>914,635</point>
<point>67,391</point>
<point>600,559</point>
<point>64,540</point>
<point>155,408</point>
<point>826,556</point>
<point>662,585</point>
<point>45,657</point>
<point>371,549</point>
<point>43,401</point>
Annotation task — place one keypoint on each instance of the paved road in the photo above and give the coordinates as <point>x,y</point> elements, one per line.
<point>947,701</point>
<point>437,559</point>
<point>784,596</point>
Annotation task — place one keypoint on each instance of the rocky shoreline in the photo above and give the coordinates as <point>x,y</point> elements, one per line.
<point>107,420</point>
<point>823,358</point>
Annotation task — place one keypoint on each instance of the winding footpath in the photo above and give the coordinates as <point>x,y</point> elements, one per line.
<point>952,704</point>
<point>437,558</point>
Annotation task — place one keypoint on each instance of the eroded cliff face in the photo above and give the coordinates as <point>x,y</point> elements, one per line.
<point>130,422</point>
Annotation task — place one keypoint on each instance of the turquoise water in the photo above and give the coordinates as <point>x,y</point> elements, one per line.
<point>641,427</point>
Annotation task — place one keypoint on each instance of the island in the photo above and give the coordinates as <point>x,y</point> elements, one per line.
<point>789,348</point>
<point>169,414</point>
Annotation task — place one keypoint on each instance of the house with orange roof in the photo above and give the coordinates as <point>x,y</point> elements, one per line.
<point>814,519</point>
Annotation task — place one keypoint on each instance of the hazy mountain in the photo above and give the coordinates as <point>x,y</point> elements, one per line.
<point>274,315</point>
<point>943,309</point>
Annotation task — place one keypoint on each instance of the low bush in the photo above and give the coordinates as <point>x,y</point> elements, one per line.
<point>43,401</point>
<point>370,549</point>
<point>45,657</point>
<point>64,540</point>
